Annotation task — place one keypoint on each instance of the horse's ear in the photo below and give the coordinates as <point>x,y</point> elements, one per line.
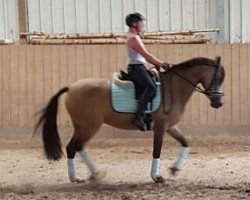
<point>217,60</point>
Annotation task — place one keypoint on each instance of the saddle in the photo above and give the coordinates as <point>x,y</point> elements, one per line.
<point>125,94</point>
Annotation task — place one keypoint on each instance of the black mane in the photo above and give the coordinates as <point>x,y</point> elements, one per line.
<point>196,61</point>
<point>199,61</point>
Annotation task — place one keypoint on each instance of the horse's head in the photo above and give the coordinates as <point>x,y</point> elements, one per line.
<point>212,83</point>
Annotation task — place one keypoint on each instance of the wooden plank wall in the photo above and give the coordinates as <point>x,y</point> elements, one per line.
<point>30,75</point>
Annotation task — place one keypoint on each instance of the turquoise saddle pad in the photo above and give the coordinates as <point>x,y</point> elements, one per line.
<point>123,96</point>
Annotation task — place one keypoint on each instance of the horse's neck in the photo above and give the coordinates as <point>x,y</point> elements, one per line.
<point>193,75</point>
<point>182,90</point>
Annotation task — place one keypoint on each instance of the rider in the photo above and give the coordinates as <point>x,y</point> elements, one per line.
<point>138,56</point>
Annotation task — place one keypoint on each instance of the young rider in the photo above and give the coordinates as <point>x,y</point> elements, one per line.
<point>138,56</point>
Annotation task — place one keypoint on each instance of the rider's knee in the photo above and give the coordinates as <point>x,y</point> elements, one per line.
<point>151,90</point>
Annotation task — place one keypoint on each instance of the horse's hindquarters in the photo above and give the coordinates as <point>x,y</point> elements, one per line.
<point>87,101</point>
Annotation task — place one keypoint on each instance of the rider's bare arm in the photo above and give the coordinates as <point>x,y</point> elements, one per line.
<point>136,44</point>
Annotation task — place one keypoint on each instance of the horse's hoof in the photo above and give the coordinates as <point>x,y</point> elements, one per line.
<point>80,180</point>
<point>77,180</point>
<point>173,170</point>
<point>159,179</point>
<point>98,176</point>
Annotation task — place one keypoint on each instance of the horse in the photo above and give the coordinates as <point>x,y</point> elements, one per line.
<point>88,103</point>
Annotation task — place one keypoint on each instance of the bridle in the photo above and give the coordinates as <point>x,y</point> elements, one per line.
<point>211,90</point>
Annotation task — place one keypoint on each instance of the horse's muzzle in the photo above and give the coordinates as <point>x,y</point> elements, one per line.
<point>216,105</point>
<point>216,101</point>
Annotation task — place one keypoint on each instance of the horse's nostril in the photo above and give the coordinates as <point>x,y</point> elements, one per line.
<point>216,104</point>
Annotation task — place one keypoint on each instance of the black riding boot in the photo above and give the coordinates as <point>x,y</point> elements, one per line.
<point>139,122</point>
<point>148,118</point>
<point>139,116</point>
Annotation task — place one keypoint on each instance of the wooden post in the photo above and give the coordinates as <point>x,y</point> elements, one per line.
<point>22,19</point>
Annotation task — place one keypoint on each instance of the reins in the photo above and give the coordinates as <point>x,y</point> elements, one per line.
<point>208,91</point>
<point>196,87</point>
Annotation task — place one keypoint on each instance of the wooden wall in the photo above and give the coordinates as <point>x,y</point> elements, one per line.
<point>30,75</point>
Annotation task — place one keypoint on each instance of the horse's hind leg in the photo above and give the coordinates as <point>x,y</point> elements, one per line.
<point>77,144</point>
<point>73,146</point>
<point>183,151</point>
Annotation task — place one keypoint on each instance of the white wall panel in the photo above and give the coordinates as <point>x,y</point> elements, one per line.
<point>245,21</point>
<point>164,15</point>
<point>153,15</point>
<point>9,25</point>
<point>105,16</point>
<point>34,14</point>
<point>226,20</point>
<point>235,21</point>
<point>211,17</point>
<point>46,16</point>
<point>117,16</point>
<point>93,16</point>
<point>58,16</point>
<point>108,15</point>
<point>81,16</point>
<point>212,6</point>
<point>96,16</point>
<point>200,14</point>
<point>70,16</point>
<point>2,20</point>
<point>188,14</point>
<point>176,15</point>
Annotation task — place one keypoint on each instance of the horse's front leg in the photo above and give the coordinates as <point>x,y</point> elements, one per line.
<point>159,130</point>
<point>183,151</point>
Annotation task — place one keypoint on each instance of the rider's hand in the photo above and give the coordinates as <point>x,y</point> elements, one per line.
<point>164,66</point>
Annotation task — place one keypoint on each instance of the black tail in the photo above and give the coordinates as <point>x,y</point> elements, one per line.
<point>51,139</point>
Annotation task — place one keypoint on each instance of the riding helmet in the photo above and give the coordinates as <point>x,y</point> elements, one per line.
<point>134,17</point>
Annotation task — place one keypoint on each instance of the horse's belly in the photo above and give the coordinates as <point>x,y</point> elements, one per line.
<point>119,120</point>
